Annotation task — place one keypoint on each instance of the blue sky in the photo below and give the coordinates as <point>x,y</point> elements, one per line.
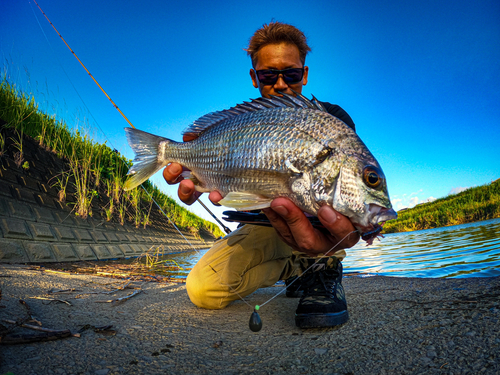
<point>421,79</point>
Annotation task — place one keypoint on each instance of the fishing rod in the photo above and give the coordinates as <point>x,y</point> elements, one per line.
<point>226,229</point>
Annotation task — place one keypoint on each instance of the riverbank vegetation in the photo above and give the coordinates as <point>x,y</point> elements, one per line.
<point>88,170</point>
<point>474,204</point>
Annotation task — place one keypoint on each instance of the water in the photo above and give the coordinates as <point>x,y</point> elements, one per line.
<point>467,250</point>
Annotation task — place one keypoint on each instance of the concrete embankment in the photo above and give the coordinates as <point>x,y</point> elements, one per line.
<point>36,227</point>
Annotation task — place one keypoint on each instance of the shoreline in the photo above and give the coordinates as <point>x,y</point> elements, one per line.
<point>397,325</point>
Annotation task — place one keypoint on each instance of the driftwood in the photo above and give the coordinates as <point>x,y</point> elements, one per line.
<point>121,299</point>
<point>52,300</point>
<point>30,318</point>
<point>58,291</point>
<point>105,330</point>
<point>7,338</point>
<point>125,286</point>
<point>19,322</point>
<point>46,335</point>
<point>42,329</point>
<point>11,339</point>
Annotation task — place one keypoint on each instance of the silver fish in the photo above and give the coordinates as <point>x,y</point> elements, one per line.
<point>275,147</point>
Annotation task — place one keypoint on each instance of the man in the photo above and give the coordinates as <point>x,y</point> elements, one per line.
<point>253,257</point>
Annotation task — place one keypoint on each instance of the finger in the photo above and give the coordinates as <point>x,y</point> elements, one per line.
<point>307,238</point>
<point>189,137</point>
<point>172,172</point>
<point>281,227</point>
<point>339,226</point>
<point>215,197</point>
<point>187,192</point>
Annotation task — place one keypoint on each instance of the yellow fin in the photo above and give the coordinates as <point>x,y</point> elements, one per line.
<point>245,201</point>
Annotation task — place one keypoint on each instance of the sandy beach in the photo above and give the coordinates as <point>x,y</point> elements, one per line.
<point>396,326</point>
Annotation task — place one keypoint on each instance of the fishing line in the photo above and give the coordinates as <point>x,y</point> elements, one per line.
<point>255,323</point>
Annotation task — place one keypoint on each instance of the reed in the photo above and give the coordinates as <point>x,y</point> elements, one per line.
<point>2,145</point>
<point>61,184</point>
<point>17,143</point>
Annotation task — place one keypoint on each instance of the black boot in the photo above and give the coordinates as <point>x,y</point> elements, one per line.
<point>294,287</point>
<point>323,303</point>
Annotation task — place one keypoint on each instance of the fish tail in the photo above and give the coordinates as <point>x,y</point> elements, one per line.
<point>147,161</point>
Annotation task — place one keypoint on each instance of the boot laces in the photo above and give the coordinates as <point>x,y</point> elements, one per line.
<point>321,282</point>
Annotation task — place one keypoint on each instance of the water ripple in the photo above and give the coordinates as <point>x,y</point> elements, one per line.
<point>468,250</point>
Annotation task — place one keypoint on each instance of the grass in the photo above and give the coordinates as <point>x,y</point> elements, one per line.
<point>93,168</point>
<point>474,204</point>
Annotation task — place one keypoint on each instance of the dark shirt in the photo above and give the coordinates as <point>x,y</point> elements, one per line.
<point>338,112</point>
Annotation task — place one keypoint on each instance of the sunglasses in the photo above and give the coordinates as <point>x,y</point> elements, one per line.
<point>270,76</point>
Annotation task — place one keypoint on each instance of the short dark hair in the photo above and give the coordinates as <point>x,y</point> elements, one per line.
<point>277,33</point>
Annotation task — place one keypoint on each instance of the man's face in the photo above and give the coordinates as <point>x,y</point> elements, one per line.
<point>278,56</point>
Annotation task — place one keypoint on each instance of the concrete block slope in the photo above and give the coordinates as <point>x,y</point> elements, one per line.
<point>35,226</point>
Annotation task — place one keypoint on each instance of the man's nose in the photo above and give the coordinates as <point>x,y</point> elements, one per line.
<point>280,84</point>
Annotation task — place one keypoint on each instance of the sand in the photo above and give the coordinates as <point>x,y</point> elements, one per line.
<point>396,326</point>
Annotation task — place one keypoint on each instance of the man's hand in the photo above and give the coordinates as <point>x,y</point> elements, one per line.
<point>186,191</point>
<point>295,229</point>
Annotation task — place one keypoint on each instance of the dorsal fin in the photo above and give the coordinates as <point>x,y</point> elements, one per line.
<point>259,104</point>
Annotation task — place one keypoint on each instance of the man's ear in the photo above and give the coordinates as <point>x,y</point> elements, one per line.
<point>304,79</point>
<point>254,78</point>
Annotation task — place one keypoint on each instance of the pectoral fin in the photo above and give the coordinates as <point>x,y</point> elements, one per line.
<point>245,201</point>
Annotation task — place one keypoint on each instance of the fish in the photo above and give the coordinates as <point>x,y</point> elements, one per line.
<point>282,146</point>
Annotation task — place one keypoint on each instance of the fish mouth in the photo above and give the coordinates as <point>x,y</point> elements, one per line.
<point>377,217</point>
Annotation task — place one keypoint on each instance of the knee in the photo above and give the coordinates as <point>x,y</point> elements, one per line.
<point>203,293</point>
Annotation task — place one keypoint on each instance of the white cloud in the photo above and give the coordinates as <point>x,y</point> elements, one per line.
<point>413,202</point>
<point>416,193</point>
<point>457,190</point>
<point>397,204</point>
<point>430,199</point>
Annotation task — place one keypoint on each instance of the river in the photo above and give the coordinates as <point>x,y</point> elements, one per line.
<point>467,250</point>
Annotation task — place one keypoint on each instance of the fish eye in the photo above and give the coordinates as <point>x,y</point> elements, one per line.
<point>373,177</point>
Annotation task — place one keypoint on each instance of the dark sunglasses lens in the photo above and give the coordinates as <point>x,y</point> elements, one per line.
<point>293,75</point>
<point>267,77</point>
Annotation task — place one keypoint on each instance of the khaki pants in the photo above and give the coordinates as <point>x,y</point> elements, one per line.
<point>249,258</point>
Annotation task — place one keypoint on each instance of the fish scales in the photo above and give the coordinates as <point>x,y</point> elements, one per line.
<point>262,146</point>
<point>274,147</point>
